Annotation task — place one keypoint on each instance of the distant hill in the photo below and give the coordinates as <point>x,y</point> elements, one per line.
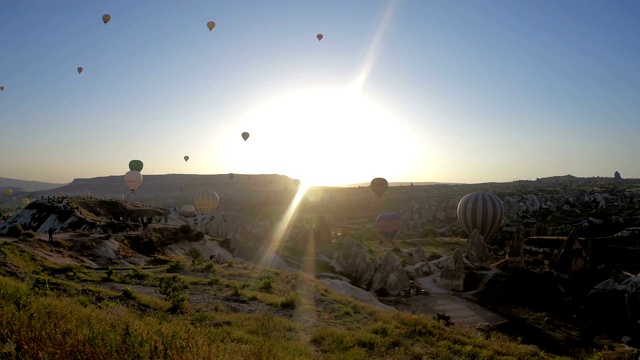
<point>23,185</point>
<point>405,183</point>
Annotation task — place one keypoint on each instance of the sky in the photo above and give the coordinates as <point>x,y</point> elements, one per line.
<point>460,91</point>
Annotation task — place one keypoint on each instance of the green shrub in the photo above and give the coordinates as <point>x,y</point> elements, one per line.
<point>15,231</point>
<point>266,284</point>
<point>195,255</point>
<point>175,291</point>
<point>128,292</point>
<point>175,267</point>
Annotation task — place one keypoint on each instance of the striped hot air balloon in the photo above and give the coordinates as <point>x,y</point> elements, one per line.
<point>206,201</point>
<point>482,211</point>
<point>389,225</point>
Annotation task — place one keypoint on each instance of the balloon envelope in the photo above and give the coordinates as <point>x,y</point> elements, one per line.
<point>133,179</point>
<point>245,135</point>
<point>135,165</point>
<point>206,201</point>
<point>1,88</point>
<point>379,186</point>
<point>80,69</point>
<point>211,25</point>
<point>482,211</point>
<point>188,208</point>
<point>106,18</point>
<point>25,202</point>
<point>120,197</point>
<point>8,192</point>
<point>319,37</point>
<point>389,225</point>
<point>186,158</point>
<point>231,175</point>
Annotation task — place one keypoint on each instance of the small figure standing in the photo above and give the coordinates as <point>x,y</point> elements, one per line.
<point>50,231</point>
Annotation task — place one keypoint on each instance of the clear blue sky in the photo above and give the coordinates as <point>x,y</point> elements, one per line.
<point>452,91</point>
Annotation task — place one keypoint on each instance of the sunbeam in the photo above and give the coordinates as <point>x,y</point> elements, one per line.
<point>373,51</point>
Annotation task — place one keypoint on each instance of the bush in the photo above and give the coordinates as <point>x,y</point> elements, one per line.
<point>175,267</point>
<point>266,284</point>
<point>15,231</point>
<point>29,234</point>
<point>128,293</point>
<point>174,290</point>
<point>195,255</point>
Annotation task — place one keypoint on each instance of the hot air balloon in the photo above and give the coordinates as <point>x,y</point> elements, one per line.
<point>135,165</point>
<point>206,201</point>
<point>231,176</point>
<point>8,192</point>
<point>80,70</point>
<point>296,182</point>
<point>1,88</point>
<point>211,25</point>
<point>245,135</point>
<point>106,18</point>
<point>186,158</point>
<point>120,197</point>
<point>25,202</point>
<point>482,211</point>
<point>389,225</point>
<point>319,37</point>
<point>133,179</point>
<point>188,208</point>
<point>379,186</point>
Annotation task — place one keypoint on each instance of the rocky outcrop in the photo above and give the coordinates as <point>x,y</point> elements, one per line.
<point>390,277</point>
<point>419,255</point>
<point>351,261</point>
<point>477,251</point>
<point>453,273</point>
<point>515,250</point>
<point>572,257</point>
<point>245,246</point>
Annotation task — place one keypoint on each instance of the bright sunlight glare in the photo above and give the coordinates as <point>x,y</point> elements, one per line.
<point>326,136</point>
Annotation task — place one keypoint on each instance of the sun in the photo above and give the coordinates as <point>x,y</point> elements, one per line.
<point>325,136</point>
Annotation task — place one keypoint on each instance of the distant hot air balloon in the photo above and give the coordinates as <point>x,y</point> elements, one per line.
<point>8,192</point>
<point>319,37</point>
<point>106,18</point>
<point>389,225</point>
<point>80,70</point>
<point>1,88</point>
<point>245,135</point>
<point>231,176</point>
<point>120,197</point>
<point>296,182</point>
<point>206,201</point>
<point>379,186</point>
<point>25,202</point>
<point>186,158</point>
<point>133,179</point>
<point>188,208</point>
<point>135,165</point>
<point>211,25</point>
<point>482,211</point>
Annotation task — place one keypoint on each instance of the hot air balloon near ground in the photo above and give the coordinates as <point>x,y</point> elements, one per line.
<point>120,197</point>
<point>206,201</point>
<point>8,192</point>
<point>80,70</point>
<point>389,225</point>
<point>482,211</point>
<point>133,179</point>
<point>245,135</point>
<point>188,208</point>
<point>106,18</point>
<point>135,165</point>
<point>231,175</point>
<point>319,37</point>
<point>211,25</point>
<point>25,202</point>
<point>379,186</point>
<point>186,158</point>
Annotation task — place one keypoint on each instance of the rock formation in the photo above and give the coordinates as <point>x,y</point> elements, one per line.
<point>515,250</point>
<point>390,277</point>
<point>453,272</point>
<point>418,255</point>
<point>477,250</point>
<point>352,262</point>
